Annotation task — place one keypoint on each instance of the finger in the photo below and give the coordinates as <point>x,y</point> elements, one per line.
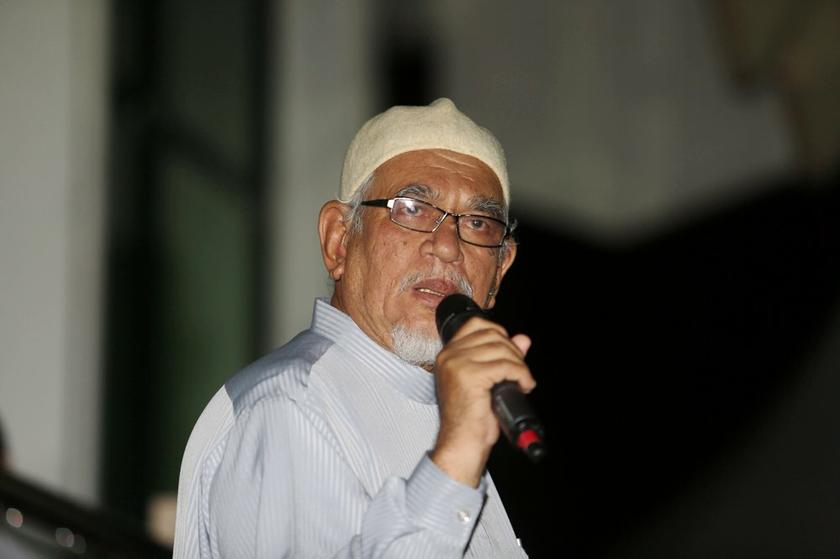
<point>476,324</point>
<point>484,352</point>
<point>478,358</point>
<point>479,337</point>
<point>483,375</point>
<point>500,370</point>
<point>523,342</point>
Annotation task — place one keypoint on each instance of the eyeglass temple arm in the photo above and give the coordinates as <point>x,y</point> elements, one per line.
<point>382,203</point>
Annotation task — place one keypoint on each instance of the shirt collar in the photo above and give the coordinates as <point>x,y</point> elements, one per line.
<point>412,381</point>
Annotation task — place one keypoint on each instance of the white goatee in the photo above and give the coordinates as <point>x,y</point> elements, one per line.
<point>415,347</point>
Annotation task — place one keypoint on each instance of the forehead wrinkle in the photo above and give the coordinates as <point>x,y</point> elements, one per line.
<point>457,157</point>
<point>461,176</point>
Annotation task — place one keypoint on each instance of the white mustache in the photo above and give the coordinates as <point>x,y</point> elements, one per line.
<point>454,277</point>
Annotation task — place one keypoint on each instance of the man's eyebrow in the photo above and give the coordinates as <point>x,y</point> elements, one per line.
<point>417,190</point>
<point>489,206</point>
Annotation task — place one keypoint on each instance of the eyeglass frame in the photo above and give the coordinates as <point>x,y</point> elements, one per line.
<point>388,203</point>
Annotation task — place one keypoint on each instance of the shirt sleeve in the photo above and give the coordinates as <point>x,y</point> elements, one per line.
<point>283,489</point>
<point>427,515</point>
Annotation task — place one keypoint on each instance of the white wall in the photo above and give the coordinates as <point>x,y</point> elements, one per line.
<point>323,87</point>
<point>52,127</point>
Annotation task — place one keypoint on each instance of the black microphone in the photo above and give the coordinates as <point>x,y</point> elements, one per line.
<point>516,418</point>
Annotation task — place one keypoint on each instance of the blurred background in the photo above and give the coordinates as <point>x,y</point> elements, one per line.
<point>674,168</point>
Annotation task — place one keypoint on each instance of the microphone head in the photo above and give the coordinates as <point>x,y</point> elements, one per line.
<point>453,312</point>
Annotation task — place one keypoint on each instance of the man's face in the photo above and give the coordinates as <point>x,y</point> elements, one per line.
<point>394,277</point>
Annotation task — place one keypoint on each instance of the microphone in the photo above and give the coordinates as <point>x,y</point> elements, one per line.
<point>510,406</point>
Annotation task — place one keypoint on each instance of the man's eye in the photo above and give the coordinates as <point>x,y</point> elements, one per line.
<point>477,224</point>
<point>412,209</point>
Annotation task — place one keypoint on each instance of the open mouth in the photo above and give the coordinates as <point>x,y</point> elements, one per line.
<point>433,290</point>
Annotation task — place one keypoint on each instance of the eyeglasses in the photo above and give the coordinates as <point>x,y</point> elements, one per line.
<point>479,230</point>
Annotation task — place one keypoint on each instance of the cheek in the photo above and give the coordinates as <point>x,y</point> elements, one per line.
<point>483,271</point>
<point>393,254</point>
<point>387,264</point>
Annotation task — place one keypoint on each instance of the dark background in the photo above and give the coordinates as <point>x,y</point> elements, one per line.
<point>658,362</point>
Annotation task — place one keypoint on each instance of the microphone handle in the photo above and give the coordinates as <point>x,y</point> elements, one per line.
<point>517,419</point>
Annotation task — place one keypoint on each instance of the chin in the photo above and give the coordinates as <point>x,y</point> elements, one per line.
<point>418,324</point>
<point>426,328</point>
<point>416,345</point>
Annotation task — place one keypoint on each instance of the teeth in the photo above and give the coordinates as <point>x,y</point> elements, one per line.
<point>424,290</point>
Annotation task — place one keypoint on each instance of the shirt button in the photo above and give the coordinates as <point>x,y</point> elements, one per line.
<point>463,516</point>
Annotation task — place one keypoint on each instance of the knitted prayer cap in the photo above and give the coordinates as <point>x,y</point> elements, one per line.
<point>402,129</point>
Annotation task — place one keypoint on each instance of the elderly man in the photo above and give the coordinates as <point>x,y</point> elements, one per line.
<point>362,437</point>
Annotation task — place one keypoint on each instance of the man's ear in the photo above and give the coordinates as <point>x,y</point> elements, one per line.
<point>333,233</point>
<point>506,258</point>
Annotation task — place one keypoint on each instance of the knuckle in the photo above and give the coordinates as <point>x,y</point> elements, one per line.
<point>481,323</point>
<point>505,344</point>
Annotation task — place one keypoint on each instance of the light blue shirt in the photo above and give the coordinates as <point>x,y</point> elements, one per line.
<point>320,449</point>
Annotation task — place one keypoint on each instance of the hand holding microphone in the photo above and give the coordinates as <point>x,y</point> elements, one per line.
<point>480,372</point>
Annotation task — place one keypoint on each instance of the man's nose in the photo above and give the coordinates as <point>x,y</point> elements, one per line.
<point>445,243</point>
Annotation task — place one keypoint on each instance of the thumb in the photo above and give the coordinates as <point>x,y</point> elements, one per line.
<point>521,341</point>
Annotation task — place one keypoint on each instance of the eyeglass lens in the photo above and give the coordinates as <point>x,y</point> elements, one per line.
<point>420,216</point>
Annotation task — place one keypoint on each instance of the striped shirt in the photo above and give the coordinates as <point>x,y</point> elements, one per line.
<point>320,449</point>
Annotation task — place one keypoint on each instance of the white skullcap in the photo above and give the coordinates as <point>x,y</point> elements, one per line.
<point>402,129</point>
